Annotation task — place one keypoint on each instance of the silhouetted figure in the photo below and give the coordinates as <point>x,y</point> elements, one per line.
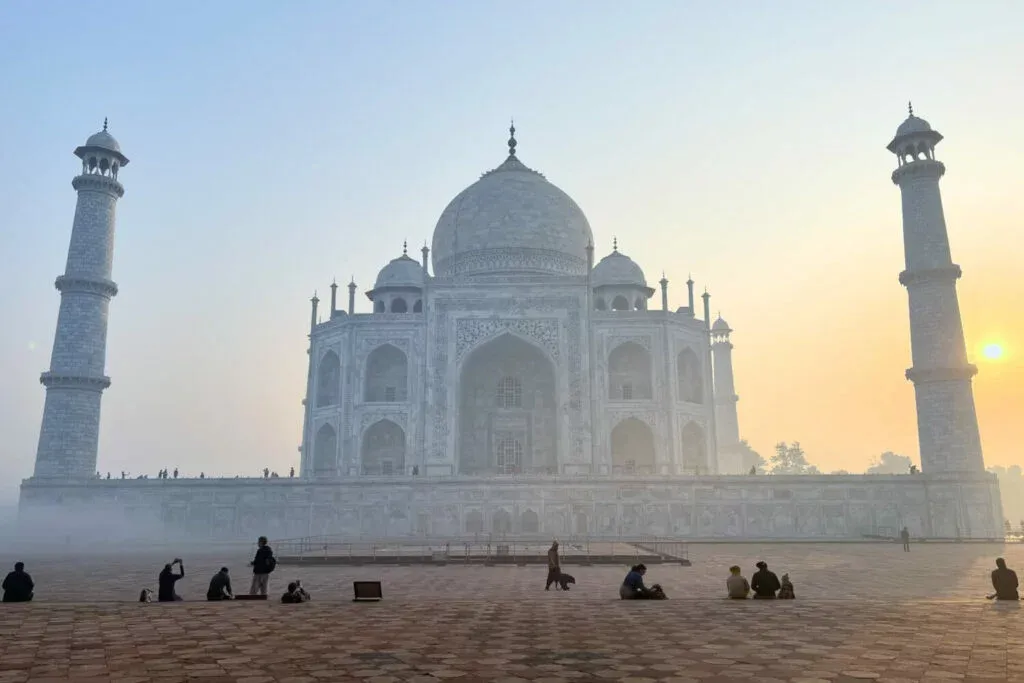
<point>554,566</point>
<point>266,473</point>
<point>1004,580</point>
<point>296,594</point>
<point>202,475</point>
<point>123,475</point>
<point>786,591</point>
<point>291,473</point>
<point>737,586</point>
<point>167,579</point>
<point>913,469</point>
<point>175,472</point>
<point>108,476</point>
<point>905,536</point>
<point>753,470</point>
<point>764,582</point>
<point>220,586</point>
<point>633,587</point>
<point>262,565</point>
<point>18,585</point>
<point>415,470</point>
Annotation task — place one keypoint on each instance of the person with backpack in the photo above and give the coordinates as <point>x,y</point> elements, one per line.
<point>262,565</point>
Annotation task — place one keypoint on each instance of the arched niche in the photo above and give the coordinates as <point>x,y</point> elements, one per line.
<point>383,449</point>
<point>398,305</point>
<point>530,522</point>
<point>694,449</point>
<point>325,452</point>
<point>690,377</point>
<point>387,375</point>
<point>629,373</point>
<point>633,447</point>
<point>328,380</point>
<point>507,395</point>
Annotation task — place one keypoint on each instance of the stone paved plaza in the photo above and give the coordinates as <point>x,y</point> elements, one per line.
<point>863,612</point>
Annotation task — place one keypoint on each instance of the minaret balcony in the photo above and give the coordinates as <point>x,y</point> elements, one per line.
<point>925,375</point>
<point>95,181</point>
<point>87,285</point>
<point>67,381</point>
<point>944,274</point>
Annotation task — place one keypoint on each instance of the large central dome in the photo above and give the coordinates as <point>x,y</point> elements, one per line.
<point>511,221</point>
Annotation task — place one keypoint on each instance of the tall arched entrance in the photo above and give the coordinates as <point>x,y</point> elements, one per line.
<point>383,449</point>
<point>633,448</point>
<point>694,449</point>
<point>508,414</point>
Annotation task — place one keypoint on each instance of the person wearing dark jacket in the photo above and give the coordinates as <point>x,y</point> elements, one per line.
<point>764,583</point>
<point>262,565</point>
<point>1004,580</point>
<point>18,585</point>
<point>167,579</point>
<point>220,586</point>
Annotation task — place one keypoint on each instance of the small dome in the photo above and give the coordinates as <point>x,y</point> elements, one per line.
<point>913,124</point>
<point>103,139</point>
<point>617,269</point>
<point>400,272</point>
<point>720,326</point>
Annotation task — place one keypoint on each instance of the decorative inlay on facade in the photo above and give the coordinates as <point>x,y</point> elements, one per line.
<point>469,332</point>
<point>370,417</point>
<point>616,340</point>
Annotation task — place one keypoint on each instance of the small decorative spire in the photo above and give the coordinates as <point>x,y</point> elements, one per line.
<point>104,124</point>
<point>314,299</point>
<point>512,138</point>
<point>615,244</point>
<point>405,248</point>
<point>910,108</point>
<point>689,278</point>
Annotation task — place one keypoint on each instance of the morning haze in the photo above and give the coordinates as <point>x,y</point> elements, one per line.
<point>275,149</point>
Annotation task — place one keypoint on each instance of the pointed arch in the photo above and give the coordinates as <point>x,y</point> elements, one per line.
<point>474,522</point>
<point>694,449</point>
<point>418,306</point>
<point>387,375</point>
<point>383,449</point>
<point>633,448</point>
<point>328,380</point>
<point>620,303</point>
<point>378,306</point>
<point>507,417</point>
<point>398,305</point>
<point>501,522</point>
<point>629,373</point>
<point>325,452</point>
<point>600,304</point>
<point>529,522</point>
<point>689,376</point>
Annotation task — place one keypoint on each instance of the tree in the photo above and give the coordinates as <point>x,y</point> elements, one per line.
<point>890,463</point>
<point>791,460</point>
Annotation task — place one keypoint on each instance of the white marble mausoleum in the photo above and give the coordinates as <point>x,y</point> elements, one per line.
<point>509,381</point>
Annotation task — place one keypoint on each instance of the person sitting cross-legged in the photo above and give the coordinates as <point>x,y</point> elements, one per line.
<point>220,586</point>
<point>1004,580</point>
<point>633,587</point>
<point>764,582</point>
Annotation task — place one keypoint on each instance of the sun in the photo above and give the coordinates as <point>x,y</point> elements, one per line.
<point>992,351</point>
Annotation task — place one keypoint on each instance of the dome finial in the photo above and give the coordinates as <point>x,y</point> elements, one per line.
<point>615,244</point>
<point>104,124</point>
<point>910,108</point>
<point>405,247</point>
<point>512,138</point>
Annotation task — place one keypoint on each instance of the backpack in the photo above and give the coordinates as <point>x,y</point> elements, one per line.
<point>271,563</point>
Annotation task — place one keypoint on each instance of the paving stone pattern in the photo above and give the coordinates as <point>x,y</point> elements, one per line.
<point>497,624</point>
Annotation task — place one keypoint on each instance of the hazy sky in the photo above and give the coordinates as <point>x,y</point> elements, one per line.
<point>276,145</point>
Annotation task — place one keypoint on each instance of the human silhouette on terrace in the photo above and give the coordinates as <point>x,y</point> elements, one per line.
<point>764,582</point>
<point>18,585</point>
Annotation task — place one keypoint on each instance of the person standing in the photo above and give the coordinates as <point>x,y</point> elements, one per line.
<point>220,586</point>
<point>1004,580</point>
<point>18,585</point>
<point>167,579</point>
<point>262,565</point>
<point>905,535</point>
<point>554,567</point>
<point>764,582</point>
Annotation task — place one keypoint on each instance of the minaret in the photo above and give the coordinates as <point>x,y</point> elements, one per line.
<point>664,292</point>
<point>69,436</point>
<point>726,421</point>
<point>947,425</point>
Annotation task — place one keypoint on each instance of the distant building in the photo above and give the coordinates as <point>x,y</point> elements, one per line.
<point>522,388</point>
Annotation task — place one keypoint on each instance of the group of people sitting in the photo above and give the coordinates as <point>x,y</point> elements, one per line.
<point>219,588</point>
<point>764,584</point>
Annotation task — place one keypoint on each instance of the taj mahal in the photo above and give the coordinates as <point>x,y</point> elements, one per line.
<point>510,381</point>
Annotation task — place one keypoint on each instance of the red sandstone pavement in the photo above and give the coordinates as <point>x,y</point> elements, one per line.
<point>496,624</point>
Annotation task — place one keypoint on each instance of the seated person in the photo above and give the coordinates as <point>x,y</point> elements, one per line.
<point>220,586</point>
<point>1004,580</point>
<point>18,585</point>
<point>737,585</point>
<point>786,592</point>
<point>296,594</point>
<point>167,579</point>
<point>764,583</point>
<point>633,587</point>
